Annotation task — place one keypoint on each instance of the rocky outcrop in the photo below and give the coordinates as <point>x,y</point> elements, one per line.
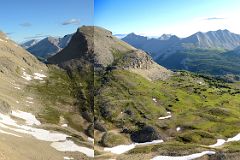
<point>145,134</point>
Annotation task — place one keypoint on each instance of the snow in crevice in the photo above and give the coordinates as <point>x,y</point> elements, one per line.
<point>221,142</point>
<point>166,117</point>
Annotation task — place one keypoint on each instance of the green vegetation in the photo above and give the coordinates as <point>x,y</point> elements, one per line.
<point>214,62</point>
<point>205,108</point>
<point>111,139</point>
<point>61,95</point>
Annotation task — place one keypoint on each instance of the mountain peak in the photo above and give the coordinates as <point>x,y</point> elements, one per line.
<point>165,36</point>
<point>107,51</point>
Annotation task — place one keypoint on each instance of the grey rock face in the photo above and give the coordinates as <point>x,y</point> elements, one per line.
<point>29,43</point>
<point>47,47</point>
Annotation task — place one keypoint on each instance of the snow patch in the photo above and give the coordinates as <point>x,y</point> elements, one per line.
<point>59,140</point>
<point>3,40</point>
<point>235,138</point>
<point>68,158</point>
<point>178,129</point>
<point>26,76</point>
<point>64,125</point>
<point>29,98</point>
<point>28,117</point>
<point>91,140</point>
<point>120,148</point>
<point>188,157</point>
<point>70,146</point>
<point>37,76</point>
<point>30,102</point>
<point>221,142</point>
<point>155,100</point>
<point>17,88</point>
<point>124,148</point>
<point>166,117</point>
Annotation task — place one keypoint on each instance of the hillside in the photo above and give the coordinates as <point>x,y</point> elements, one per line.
<point>137,116</point>
<point>39,118</point>
<point>99,87</point>
<point>105,50</point>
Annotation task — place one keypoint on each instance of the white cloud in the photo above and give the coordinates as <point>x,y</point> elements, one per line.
<point>26,24</point>
<point>214,18</point>
<point>71,21</point>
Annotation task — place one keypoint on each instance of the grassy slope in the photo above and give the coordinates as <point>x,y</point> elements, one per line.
<point>59,97</point>
<point>205,111</point>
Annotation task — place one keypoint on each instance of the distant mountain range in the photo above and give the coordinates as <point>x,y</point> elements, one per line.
<point>200,52</point>
<point>46,47</point>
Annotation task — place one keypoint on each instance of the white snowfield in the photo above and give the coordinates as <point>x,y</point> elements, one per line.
<point>188,157</point>
<point>59,140</point>
<point>125,148</point>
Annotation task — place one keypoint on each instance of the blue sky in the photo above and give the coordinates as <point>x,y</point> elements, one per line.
<point>26,19</point>
<point>155,17</point>
<point>23,19</point>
